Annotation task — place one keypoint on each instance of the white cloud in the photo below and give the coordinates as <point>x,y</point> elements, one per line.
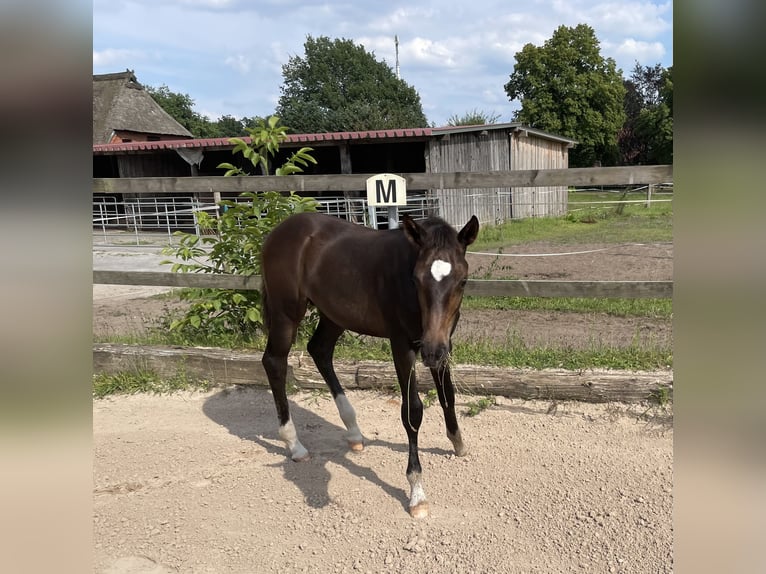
<point>429,52</point>
<point>240,62</point>
<point>632,50</point>
<point>116,58</point>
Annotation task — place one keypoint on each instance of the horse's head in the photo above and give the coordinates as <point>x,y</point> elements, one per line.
<point>440,276</point>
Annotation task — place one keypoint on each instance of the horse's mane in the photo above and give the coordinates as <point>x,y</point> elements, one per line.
<point>441,233</point>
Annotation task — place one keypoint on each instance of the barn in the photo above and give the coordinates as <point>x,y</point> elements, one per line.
<point>507,146</point>
<point>134,137</point>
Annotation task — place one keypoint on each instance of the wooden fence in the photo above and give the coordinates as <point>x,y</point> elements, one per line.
<point>592,386</point>
<point>479,287</point>
<point>577,177</point>
<point>631,175</point>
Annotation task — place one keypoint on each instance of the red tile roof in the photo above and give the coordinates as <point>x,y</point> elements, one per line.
<point>291,138</point>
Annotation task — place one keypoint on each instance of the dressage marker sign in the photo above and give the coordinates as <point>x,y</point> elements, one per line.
<point>386,190</point>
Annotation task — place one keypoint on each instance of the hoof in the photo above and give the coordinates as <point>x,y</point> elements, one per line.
<point>419,510</point>
<point>301,455</point>
<point>356,446</point>
<point>462,451</point>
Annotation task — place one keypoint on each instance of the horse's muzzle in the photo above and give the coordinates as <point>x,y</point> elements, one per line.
<point>434,356</point>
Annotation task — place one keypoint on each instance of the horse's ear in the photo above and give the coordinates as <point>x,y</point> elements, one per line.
<point>412,230</point>
<point>468,234</point>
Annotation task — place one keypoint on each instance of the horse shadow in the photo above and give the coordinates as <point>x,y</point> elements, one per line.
<point>249,414</point>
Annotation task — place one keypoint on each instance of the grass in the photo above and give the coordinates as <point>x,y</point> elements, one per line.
<point>586,224</point>
<point>143,381</point>
<point>649,308</point>
<point>634,223</point>
<point>515,353</point>
<point>511,352</point>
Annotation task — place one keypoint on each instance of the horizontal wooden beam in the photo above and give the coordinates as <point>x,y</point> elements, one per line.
<point>226,367</point>
<point>477,287</point>
<point>627,175</point>
<point>169,279</point>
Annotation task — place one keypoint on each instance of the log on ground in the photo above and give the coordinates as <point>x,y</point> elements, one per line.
<point>226,367</point>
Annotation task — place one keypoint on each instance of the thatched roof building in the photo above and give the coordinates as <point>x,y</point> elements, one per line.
<point>123,111</point>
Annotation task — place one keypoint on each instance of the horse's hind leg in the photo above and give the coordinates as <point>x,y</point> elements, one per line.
<point>321,348</point>
<point>282,331</point>
<point>446,392</point>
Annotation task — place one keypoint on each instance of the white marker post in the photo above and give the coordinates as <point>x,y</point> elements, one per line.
<point>389,190</point>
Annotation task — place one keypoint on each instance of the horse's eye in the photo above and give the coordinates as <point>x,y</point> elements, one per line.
<point>463,283</point>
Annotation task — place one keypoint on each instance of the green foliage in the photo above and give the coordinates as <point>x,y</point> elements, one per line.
<point>647,136</point>
<point>474,117</point>
<point>232,242</point>
<point>430,397</point>
<point>566,87</point>
<point>482,404</point>
<point>339,86</point>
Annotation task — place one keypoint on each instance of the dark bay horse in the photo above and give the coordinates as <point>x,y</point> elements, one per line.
<point>405,285</point>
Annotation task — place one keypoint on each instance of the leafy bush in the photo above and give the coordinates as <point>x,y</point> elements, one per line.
<point>231,241</point>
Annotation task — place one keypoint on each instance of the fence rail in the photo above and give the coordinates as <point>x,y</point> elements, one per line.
<point>476,287</point>
<point>586,176</point>
<point>574,177</point>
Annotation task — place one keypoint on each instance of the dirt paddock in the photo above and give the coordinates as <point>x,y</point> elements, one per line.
<point>200,482</point>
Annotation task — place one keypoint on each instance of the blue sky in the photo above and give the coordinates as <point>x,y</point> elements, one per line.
<point>228,54</point>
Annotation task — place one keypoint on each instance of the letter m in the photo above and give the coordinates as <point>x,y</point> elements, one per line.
<point>385,195</point>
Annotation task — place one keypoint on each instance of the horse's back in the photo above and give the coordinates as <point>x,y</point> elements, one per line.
<point>343,268</point>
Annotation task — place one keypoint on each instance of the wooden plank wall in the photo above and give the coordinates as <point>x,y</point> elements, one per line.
<point>537,153</point>
<point>472,152</point>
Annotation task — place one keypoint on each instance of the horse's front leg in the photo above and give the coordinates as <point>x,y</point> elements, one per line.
<point>412,416</point>
<point>446,392</point>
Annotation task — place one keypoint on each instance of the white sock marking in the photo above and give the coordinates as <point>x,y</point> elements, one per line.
<point>287,433</point>
<point>348,416</point>
<point>417,494</point>
<point>440,269</point>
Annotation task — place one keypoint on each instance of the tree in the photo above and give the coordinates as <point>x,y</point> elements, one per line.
<point>181,108</point>
<point>232,242</point>
<point>339,86</point>
<point>566,87</point>
<point>647,136</point>
<point>473,118</point>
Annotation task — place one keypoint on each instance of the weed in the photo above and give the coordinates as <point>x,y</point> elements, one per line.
<point>482,404</point>
<point>315,395</point>
<point>431,397</point>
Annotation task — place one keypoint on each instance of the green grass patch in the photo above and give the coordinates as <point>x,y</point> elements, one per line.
<point>606,223</point>
<point>143,381</point>
<point>515,353</point>
<point>650,308</point>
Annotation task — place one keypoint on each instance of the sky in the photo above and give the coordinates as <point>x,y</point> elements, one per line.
<point>227,55</point>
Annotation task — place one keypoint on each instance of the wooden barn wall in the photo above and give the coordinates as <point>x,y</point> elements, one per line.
<point>529,152</point>
<point>153,165</point>
<point>472,152</point>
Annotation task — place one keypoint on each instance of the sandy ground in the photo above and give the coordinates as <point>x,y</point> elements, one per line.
<point>200,483</point>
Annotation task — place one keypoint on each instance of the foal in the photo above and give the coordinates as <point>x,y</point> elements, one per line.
<point>405,285</point>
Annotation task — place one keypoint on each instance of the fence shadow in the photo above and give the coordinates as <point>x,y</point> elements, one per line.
<point>249,413</point>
